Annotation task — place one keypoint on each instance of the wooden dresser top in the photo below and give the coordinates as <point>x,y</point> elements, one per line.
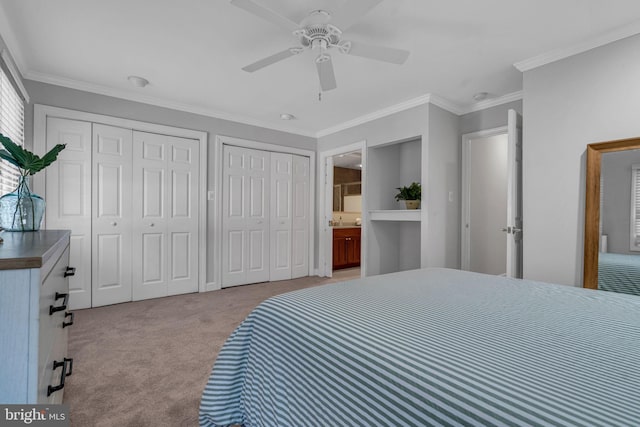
<point>30,249</point>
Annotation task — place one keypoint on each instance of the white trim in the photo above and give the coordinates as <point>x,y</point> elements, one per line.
<point>466,193</point>
<point>494,102</point>
<point>396,108</point>
<point>40,114</point>
<point>158,102</point>
<point>221,140</point>
<point>562,53</point>
<point>325,267</point>
<point>15,74</point>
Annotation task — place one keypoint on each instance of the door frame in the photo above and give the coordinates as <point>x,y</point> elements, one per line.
<point>465,243</point>
<point>325,258</point>
<point>216,194</point>
<point>42,112</point>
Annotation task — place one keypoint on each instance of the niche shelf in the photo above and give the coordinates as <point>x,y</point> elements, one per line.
<point>395,215</point>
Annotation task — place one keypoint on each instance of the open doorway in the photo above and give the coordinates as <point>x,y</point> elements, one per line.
<point>346,217</point>
<point>342,205</point>
<point>492,199</point>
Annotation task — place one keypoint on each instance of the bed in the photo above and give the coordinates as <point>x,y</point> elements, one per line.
<point>619,273</point>
<point>431,347</point>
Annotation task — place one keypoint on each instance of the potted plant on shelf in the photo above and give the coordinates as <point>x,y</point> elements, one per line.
<point>411,195</point>
<point>22,210</point>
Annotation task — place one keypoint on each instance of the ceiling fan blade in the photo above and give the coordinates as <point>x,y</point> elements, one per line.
<point>271,60</point>
<point>379,53</point>
<point>266,14</point>
<point>326,73</point>
<point>352,11</point>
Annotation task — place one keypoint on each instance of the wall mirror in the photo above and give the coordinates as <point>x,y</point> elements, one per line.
<point>610,247</point>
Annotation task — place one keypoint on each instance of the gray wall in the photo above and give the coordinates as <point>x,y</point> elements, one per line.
<point>590,97</point>
<point>58,96</point>
<point>439,131</point>
<point>616,211</point>
<point>489,118</point>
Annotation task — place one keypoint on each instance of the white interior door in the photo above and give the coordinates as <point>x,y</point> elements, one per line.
<point>149,216</point>
<point>112,215</point>
<point>165,220</point>
<point>281,181</point>
<point>300,217</point>
<point>245,216</point>
<point>68,194</point>
<point>182,207</point>
<point>514,195</point>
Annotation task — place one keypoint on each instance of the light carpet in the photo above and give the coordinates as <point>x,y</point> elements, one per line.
<point>146,363</point>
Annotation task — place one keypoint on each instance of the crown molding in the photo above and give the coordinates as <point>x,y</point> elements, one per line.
<point>428,98</point>
<point>562,53</point>
<point>158,102</point>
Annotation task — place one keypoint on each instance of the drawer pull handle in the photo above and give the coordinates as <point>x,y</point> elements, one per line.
<point>71,271</point>
<point>68,314</point>
<point>53,309</point>
<point>67,369</point>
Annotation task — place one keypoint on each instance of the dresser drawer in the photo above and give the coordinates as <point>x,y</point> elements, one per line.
<point>52,335</point>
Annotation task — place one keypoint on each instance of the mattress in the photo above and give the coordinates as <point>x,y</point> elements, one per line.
<point>619,273</point>
<point>431,347</point>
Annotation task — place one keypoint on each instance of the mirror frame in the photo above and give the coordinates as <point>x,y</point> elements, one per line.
<point>592,204</point>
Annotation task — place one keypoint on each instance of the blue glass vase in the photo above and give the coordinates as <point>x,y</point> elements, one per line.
<point>21,210</point>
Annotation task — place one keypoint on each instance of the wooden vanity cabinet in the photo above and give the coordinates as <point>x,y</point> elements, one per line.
<point>346,247</point>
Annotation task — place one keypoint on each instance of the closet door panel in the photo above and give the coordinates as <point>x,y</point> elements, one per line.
<point>183,239</point>
<point>300,217</point>
<point>111,207</point>
<point>68,195</point>
<point>234,238</point>
<point>280,218</point>
<point>245,217</point>
<point>257,220</point>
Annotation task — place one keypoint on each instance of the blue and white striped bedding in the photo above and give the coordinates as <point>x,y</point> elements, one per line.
<point>431,347</point>
<point>619,273</point>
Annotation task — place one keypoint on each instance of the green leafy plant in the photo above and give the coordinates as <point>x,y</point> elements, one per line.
<point>25,160</point>
<point>28,164</point>
<point>412,192</point>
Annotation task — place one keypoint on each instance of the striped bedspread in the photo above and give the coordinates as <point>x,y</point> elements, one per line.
<point>431,347</point>
<point>619,273</point>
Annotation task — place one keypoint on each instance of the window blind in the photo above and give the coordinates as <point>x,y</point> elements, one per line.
<point>11,126</point>
<point>635,208</point>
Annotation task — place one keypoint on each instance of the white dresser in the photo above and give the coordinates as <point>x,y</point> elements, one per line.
<point>34,319</point>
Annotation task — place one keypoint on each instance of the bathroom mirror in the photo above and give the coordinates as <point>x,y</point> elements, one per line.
<point>592,224</point>
<point>347,188</point>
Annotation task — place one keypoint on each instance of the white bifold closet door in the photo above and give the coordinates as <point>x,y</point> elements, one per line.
<point>265,219</point>
<point>301,217</point>
<point>245,219</point>
<point>165,226</point>
<point>131,201</point>
<point>68,196</point>
<point>112,220</point>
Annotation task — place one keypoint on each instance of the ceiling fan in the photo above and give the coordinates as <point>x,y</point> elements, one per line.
<point>321,31</point>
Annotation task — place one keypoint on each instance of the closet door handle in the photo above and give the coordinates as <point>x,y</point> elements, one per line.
<point>152,225</point>
<point>114,223</point>
<point>68,314</point>
<point>71,271</point>
<point>65,373</point>
<point>65,301</point>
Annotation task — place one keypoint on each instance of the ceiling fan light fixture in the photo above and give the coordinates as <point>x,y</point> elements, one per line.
<point>287,116</point>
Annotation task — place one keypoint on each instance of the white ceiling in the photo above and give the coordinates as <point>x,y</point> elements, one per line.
<point>192,52</point>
